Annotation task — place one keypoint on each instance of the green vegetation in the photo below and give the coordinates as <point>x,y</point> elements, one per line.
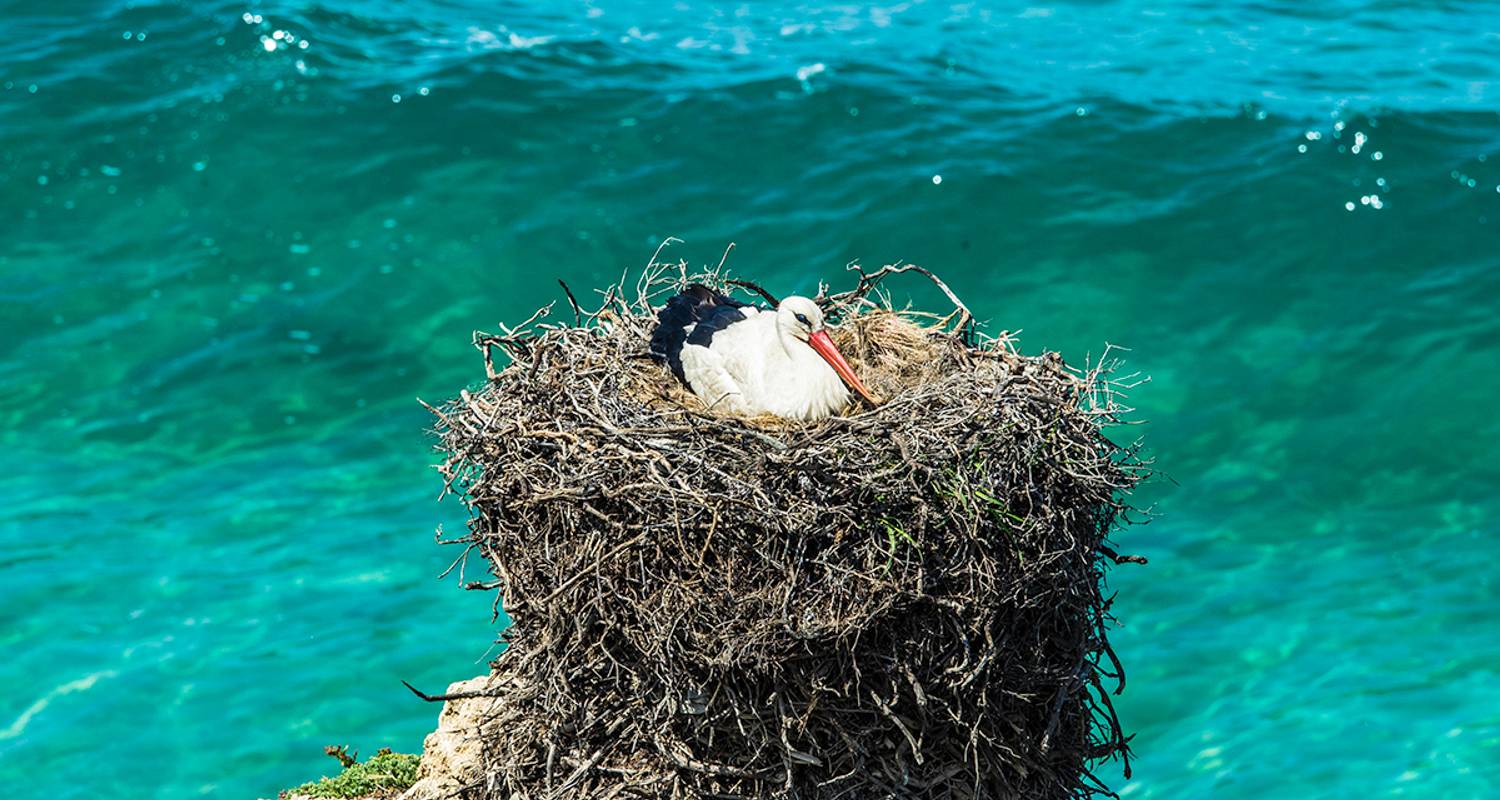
<point>385,773</point>
<point>892,531</point>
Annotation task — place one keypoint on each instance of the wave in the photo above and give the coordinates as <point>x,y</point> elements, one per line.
<point>1191,59</point>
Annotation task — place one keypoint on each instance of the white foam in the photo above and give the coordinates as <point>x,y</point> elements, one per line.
<point>82,684</point>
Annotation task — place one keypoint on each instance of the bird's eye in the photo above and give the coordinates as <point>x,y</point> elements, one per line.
<point>803,319</point>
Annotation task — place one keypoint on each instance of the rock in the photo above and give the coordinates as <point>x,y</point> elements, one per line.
<point>453,755</point>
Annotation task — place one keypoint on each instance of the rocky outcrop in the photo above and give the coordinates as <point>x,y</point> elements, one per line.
<point>452,755</point>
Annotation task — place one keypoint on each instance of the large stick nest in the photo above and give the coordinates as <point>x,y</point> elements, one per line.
<point>903,601</point>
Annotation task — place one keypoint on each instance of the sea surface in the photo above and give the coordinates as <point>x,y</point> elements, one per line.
<point>238,240</point>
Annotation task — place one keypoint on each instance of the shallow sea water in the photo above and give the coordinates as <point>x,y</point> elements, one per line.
<point>229,264</point>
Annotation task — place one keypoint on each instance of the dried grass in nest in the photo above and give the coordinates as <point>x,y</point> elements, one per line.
<point>903,601</point>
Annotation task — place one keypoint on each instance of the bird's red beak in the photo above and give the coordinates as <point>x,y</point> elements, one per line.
<point>830,353</point>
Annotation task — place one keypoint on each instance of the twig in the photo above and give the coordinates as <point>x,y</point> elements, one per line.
<point>754,287</point>
<point>572,301</point>
<point>438,698</point>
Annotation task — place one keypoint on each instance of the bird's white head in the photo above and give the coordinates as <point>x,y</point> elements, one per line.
<point>800,320</point>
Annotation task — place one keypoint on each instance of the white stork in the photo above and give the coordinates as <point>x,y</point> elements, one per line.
<point>745,360</point>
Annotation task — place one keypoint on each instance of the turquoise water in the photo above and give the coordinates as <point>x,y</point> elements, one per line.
<point>230,264</point>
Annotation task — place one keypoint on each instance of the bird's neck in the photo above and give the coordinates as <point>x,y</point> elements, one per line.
<point>797,351</point>
<point>803,384</point>
<point>789,343</point>
<point>806,363</point>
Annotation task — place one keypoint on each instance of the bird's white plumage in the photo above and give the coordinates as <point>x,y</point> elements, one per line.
<point>763,364</point>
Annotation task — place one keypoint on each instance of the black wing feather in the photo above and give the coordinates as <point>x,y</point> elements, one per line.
<point>692,316</point>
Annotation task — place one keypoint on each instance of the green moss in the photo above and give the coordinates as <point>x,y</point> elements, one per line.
<point>384,773</point>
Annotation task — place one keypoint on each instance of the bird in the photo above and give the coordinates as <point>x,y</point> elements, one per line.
<point>745,360</point>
